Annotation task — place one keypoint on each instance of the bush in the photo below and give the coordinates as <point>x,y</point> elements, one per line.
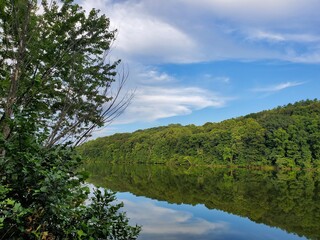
<point>42,196</point>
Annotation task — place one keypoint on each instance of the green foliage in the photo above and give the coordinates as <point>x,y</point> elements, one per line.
<point>42,194</point>
<point>53,85</point>
<point>285,137</point>
<point>54,65</point>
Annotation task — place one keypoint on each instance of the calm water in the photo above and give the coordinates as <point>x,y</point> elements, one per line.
<point>204,203</point>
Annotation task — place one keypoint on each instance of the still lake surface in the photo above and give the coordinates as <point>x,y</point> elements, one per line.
<point>182,203</point>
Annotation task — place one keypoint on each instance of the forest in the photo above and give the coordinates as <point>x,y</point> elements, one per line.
<point>284,137</point>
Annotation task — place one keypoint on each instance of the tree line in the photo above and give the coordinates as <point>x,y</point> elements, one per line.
<point>285,137</point>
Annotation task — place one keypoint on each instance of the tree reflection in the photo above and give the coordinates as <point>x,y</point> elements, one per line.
<point>288,200</point>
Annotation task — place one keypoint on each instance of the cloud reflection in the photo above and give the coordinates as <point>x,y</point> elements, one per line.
<point>160,220</point>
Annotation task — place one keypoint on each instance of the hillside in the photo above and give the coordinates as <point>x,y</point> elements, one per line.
<point>287,136</point>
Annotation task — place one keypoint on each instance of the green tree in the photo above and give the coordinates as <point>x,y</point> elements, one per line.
<point>54,69</point>
<point>54,89</point>
<point>279,141</point>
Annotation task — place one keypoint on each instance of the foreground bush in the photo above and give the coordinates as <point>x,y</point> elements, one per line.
<point>42,196</point>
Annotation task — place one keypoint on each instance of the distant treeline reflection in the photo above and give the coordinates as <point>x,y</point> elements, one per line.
<point>286,199</point>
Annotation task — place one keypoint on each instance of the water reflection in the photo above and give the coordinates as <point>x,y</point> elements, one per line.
<point>258,199</point>
<point>161,220</point>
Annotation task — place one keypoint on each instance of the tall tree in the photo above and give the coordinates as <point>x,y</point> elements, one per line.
<point>55,84</point>
<point>54,69</point>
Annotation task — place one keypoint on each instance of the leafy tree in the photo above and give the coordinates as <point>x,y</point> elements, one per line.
<point>55,87</point>
<point>54,69</point>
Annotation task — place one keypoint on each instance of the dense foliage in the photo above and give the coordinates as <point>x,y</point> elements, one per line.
<point>54,69</point>
<point>42,196</point>
<point>54,84</point>
<point>289,200</point>
<point>285,137</point>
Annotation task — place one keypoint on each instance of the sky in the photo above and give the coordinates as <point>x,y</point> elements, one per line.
<point>198,61</point>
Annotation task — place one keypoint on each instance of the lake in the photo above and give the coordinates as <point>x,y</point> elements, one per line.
<point>205,203</point>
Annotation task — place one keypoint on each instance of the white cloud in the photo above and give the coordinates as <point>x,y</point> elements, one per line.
<point>282,37</point>
<point>278,87</point>
<point>165,221</point>
<point>262,35</point>
<point>169,32</point>
<point>153,40</point>
<point>144,36</point>
<point>154,102</point>
<point>188,31</point>
<point>160,95</point>
<point>152,76</point>
<point>257,12</point>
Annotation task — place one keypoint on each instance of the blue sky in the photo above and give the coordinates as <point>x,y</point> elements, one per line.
<point>198,61</point>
